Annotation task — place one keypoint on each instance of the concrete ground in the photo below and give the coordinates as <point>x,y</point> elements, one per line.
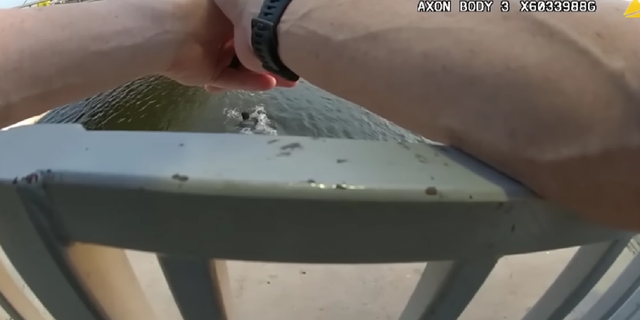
<point>269,291</point>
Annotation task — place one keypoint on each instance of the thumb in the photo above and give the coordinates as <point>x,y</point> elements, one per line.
<point>244,50</point>
<point>248,58</point>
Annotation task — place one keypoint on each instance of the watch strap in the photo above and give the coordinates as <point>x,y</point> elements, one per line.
<point>264,38</point>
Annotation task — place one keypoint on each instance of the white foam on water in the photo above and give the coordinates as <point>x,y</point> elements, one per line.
<point>264,126</point>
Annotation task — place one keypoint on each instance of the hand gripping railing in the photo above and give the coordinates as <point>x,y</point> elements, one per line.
<point>71,199</point>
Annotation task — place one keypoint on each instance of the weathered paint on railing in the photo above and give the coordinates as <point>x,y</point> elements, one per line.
<point>72,198</point>
<point>442,205</point>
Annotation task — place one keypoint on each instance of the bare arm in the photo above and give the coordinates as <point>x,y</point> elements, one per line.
<point>54,55</point>
<point>551,99</point>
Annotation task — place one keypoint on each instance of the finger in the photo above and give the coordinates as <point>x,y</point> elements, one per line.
<point>235,63</point>
<point>227,55</point>
<point>231,79</point>
<point>281,82</point>
<point>246,55</point>
<point>251,62</point>
<point>248,60</point>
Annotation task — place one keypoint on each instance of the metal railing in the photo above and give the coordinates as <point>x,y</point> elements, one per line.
<point>71,200</point>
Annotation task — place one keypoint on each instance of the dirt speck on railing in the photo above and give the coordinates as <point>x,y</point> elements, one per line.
<point>291,146</point>
<point>179,177</point>
<point>432,191</point>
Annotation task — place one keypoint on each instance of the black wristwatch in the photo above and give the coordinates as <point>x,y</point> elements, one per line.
<point>264,38</point>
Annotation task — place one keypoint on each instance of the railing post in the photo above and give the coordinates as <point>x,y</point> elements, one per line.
<point>200,287</point>
<point>38,254</point>
<point>580,275</point>
<point>446,288</point>
<point>623,289</point>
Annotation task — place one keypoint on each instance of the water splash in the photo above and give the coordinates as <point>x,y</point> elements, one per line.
<point>264,126</point>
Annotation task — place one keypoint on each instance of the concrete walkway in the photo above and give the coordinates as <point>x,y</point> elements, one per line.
<point>269,291</point>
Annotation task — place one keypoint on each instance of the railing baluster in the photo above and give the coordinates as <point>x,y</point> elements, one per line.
<point>575,281</point>
<point>446,288</point>
<point>9,309</point>
<point>13,300</point>
<point>625,286</point>
<point>108,276</point>
<point>200,287</point>
<point>39,256</point>
<point>629,309</point>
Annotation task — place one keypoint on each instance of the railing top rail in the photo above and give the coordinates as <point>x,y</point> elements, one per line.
<point>278,198</point>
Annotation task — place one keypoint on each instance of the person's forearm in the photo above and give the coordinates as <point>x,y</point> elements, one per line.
<point>77,50</point>
<point>389,58</point>
<point>551,99</point>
